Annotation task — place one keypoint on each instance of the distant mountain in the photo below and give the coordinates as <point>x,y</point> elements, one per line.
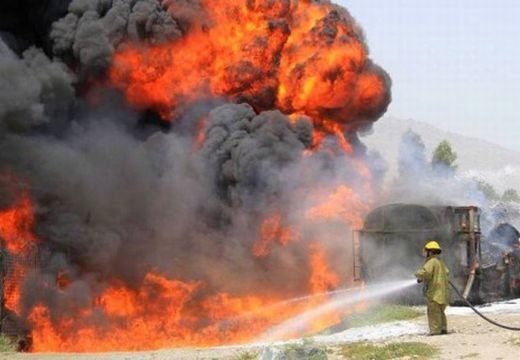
<point>476,157</point>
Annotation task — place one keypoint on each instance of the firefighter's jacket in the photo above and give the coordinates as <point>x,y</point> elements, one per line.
<point>434,273</point>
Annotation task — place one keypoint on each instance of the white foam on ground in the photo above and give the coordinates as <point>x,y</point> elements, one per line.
<point>502,307</point>
<point>365,333</point>
<point>373,332</point>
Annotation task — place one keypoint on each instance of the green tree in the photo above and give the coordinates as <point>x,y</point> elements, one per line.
<point>511,195</point>
<point>444,156</point>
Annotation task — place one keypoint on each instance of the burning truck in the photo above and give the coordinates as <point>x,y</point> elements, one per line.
<point>484,268</point>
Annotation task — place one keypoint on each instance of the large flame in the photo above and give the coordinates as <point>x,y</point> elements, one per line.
<point>16,233</point>
<point>165,313</point>
<point>301,57</point>
<point>161,312</point>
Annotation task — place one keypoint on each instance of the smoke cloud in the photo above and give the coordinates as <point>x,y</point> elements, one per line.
<point>92,30</point>
<point>33,89</point>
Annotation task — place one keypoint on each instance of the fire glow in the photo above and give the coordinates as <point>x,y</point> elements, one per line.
<point>304,58</point>
<point>15,230</point>
<point>273,55</point>
<point>162,312</point>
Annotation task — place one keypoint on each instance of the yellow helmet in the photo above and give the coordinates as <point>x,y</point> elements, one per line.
<point>432,245</point>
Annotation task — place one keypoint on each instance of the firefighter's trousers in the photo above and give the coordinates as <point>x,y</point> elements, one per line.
<point>437,318</point>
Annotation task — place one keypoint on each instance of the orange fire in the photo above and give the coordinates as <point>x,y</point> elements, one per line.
<point>322,279</point>
<point>299,57</point>
<point>152,316</point>
<point>272,230</point>
<point>343,204</point>
<point>163,312</point>
<point>166,313</point>
<point>16,225</point>
<point>16,233</point>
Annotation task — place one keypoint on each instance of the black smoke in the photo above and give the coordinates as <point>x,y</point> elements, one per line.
<point>27,23</point>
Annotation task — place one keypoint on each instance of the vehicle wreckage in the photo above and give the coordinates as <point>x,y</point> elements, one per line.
<point>484,268</point>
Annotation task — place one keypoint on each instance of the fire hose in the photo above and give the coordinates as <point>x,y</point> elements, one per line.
<point>480,314</point>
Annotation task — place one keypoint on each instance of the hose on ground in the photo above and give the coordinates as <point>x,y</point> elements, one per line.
<point>482,315</point>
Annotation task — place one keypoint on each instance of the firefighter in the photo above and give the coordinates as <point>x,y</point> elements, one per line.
<point>434,274</point>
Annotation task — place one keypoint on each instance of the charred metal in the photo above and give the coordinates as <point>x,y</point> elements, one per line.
<point>486,268</point>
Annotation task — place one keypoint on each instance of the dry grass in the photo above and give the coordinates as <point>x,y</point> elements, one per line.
<point>514,340</point>
<point>246,355</point>
<point>470,356</point>
<point>383,313</point>
<point>304,351</point>
<point>6,344</point>
<point>375,315</point>
<point>368,351</point>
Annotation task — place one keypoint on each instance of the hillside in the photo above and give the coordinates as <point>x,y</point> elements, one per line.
<point>476,157</point>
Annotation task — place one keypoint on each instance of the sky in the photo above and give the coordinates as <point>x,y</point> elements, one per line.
<point>454,63</point>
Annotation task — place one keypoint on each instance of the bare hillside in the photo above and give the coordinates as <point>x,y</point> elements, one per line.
<point>476,157</point>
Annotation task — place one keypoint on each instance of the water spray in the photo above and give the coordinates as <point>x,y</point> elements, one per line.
<point>300,299</point>
<point>339,300</point>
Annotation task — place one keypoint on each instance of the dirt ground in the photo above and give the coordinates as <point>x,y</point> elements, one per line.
<point>470,338</point>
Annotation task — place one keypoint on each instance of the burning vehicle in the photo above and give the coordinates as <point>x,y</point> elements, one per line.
<point>484,268</point>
